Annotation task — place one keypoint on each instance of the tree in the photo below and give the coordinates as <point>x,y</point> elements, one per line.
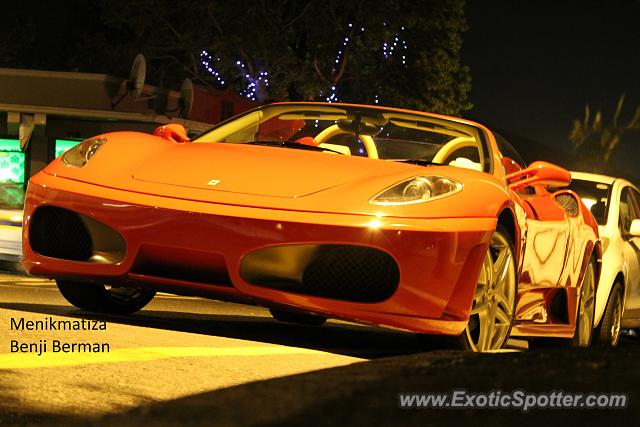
<point>279,49</point>
<point>597,140</point>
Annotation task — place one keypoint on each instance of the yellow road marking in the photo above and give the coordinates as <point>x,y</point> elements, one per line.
<point>48,360</point>
<point>11,227</point>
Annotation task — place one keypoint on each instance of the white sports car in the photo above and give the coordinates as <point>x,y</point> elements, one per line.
<point>615,204</point>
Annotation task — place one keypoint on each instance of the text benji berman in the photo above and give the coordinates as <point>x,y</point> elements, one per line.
<point>57,346</point>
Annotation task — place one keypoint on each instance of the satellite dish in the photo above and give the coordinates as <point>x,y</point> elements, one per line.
<point>137,76</point>
<point>185,102</point>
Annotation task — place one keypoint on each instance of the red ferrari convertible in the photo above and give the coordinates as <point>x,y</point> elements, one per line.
<point>375,215</point>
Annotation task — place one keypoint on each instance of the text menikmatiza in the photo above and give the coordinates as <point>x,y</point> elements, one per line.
<point>51,324</point>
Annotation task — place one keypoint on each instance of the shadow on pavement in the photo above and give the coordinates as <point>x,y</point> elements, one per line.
<point>351,340</point>
<point>367,393</point>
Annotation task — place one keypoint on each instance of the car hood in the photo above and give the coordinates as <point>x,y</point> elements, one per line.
<point>256,170</point>
<point>269,178</point>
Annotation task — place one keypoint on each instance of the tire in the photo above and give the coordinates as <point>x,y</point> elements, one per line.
<point>584,332</point>
<point>297,317</point>
<point>103,298</point>
<point>607,334</point>
<point>497,297</point>
<point>494,302</point>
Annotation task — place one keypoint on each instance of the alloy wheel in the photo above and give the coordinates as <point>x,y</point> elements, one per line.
<point>586,308</point>
<point>494,300</point>
<point>617,320</point>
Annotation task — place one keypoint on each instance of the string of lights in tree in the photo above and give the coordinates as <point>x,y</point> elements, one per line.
<point>207,62</point>
<point>388,48</point>
<point>253,84</point>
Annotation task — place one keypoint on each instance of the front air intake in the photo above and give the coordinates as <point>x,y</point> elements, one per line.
<point>60,233</point>
<point>352,273</point>
<point>341,272</point>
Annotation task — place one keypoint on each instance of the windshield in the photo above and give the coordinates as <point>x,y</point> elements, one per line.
<point>376,133</point>
<point>595,196</point>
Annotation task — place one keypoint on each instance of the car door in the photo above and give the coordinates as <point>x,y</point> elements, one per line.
<point>630,210</point>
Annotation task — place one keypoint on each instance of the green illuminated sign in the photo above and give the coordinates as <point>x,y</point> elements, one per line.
<point>10,145</point>
<point>11,174</point>
<point>63,145</point>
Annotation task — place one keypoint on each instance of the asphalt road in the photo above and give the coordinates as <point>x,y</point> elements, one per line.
<point>189,361</point>
<point>176,347</point>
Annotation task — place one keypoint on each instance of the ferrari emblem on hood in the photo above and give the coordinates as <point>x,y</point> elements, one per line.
<point>214,182</point>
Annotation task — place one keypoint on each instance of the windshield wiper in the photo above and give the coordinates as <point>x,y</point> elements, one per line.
<point>292,144</point>
<point>419,162</point>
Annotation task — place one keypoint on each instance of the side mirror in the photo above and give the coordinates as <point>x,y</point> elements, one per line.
<point>510,165</point>
<point>634,230</point>
<point>173,132</point>
<point>539,173</point>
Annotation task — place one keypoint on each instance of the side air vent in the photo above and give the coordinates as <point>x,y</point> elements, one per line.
<point>60,233</point>
<point>568,203</point>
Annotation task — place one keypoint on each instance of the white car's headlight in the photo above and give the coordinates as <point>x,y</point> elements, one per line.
<point>417,190</point>
<point>79,155</point>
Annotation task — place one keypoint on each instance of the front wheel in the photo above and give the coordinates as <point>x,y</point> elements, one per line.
<point>104,298</point>
<point>494,301</point>
<point>607,334</point>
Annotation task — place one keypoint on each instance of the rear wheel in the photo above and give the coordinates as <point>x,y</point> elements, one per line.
<point>104,298</point>
<point>608,333</point>
<point>584,332</point>
<point>290,316</point>
<point>586,309</point>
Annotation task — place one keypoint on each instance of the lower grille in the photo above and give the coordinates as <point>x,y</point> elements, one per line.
<point>341,272</point>
<point>352,273</point>
<point>185,264</point>
<point>60,233</point>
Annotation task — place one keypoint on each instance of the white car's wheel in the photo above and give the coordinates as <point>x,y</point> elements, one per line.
<point>607,334</point>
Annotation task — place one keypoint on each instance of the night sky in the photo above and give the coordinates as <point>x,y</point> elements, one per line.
<point>535,64</point>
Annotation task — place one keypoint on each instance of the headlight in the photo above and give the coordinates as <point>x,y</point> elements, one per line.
<point>417,190</point>
<point>79,155</point>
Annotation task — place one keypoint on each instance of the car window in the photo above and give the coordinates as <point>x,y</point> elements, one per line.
<point>512,162</point>
<point>635,200</point>
<point>595,196</point>
<point>509,151</point>
<point>378,133</point>
<point>628,209</point>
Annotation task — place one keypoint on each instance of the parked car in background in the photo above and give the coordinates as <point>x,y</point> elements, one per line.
<point>615,204</point>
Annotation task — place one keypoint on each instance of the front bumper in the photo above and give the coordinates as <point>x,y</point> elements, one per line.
<point>438,259</point>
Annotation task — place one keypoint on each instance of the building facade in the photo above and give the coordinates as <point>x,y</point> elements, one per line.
<point>43,113</point>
